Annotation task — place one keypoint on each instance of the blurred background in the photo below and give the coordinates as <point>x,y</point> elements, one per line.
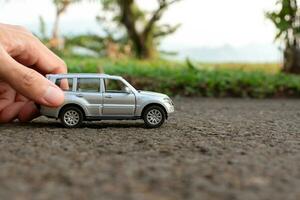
<point>214,48</point>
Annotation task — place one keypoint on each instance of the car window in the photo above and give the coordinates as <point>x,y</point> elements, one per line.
<point>88,85</point>
<point>66,84</point>
<point>114,86</point>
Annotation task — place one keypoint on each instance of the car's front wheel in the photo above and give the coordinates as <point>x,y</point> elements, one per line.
<point>154,116</point>
<point>71,117</point>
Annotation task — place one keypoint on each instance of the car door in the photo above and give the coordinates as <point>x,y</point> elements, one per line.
<point>116,100</point>
<point>89,93</point>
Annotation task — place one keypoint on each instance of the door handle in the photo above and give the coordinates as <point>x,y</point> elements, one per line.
<point>108,97</point>
<point>79,95</point>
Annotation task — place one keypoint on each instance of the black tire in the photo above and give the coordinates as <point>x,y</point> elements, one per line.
<point>74,121</point>
<point>155,121</point>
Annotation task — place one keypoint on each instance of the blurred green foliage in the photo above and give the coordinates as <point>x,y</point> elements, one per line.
<point>90,42</point>
<point>176,78</point>
<point>286,19</point>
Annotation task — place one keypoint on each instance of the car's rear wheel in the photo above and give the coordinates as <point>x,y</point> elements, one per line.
<point>154,116</point>
<point>71,117</point>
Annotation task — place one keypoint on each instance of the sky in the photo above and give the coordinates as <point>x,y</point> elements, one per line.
<point>205,23</point>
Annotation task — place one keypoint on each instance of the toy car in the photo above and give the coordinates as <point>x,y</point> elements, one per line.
<point>91,97</point>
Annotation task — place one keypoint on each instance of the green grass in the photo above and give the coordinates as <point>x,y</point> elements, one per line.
<point>209,80</point>
<point>272,68</point>
<point>91,64</point>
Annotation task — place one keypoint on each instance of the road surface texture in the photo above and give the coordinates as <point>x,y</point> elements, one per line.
<point>210,149</point>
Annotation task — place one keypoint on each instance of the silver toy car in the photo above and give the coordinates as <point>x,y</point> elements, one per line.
<point>91,97</point>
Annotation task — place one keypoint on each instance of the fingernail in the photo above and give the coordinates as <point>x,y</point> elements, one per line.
<point>53,96</point>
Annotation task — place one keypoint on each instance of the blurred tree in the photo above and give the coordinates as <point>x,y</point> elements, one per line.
<point>287,22</point>
<point>56,42</point>
<point>142,27</point>
<point>42,30</point>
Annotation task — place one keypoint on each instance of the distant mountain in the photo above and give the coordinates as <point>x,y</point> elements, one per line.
<point>228,53</point>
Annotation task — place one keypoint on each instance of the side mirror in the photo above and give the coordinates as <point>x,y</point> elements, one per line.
<point>127,90</point>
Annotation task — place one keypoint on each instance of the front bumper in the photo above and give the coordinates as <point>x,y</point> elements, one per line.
<point>170,108</point>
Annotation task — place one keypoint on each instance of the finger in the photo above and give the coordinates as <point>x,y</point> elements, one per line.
<point>36,54</point>
<point>11,112</point>
<point>20,97</point>
<point>7,95</point>
<point>29,83</point>
<point>64,84</point>
<point>48,62</point>
<point>30,51</point>
<point>39,57</point>
<point>28,112</point>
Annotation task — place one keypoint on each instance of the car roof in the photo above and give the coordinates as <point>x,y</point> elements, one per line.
<point>82,75</point>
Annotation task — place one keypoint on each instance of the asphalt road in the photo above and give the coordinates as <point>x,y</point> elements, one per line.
<point>210,149</point>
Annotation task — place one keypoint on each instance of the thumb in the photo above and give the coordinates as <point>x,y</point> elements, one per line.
<point>29,82</point>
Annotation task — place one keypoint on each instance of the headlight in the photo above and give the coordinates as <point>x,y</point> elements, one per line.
<point>168,100</point>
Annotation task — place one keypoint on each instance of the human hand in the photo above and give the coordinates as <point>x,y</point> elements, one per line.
<point>23,62</point>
